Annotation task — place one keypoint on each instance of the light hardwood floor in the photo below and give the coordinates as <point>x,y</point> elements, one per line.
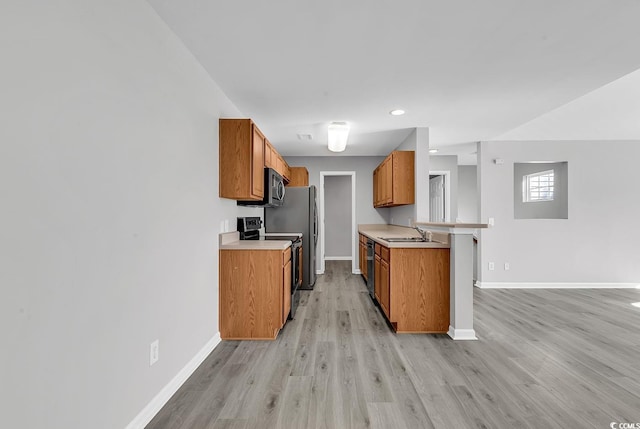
<point>545,359</point>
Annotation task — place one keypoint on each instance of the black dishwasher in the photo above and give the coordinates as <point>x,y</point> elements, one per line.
<point>371,278</point>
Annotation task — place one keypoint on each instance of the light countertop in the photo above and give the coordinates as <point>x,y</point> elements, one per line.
<point>231,241</point>
<point>377,231</point>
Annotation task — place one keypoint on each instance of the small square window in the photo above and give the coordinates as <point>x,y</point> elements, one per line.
<point>538,186</point>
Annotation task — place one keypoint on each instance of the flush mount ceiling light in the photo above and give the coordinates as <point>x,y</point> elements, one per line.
<point>338,134</point>
<point>433,150</point>
<point>397,112</point>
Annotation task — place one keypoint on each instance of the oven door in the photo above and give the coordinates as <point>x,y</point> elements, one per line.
<point>296,275</point>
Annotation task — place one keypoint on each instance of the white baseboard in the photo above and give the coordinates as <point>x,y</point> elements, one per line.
<point>319,272</point>
<point>356,271</point>
<point>462,334</point>
<point>549,285</point>
<point>337,258</point>
<point>148,413</point>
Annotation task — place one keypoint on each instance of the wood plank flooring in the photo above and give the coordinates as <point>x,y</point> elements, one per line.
<point>544,359</point>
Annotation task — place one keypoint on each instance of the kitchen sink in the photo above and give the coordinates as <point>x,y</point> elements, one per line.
<point>403,239</point>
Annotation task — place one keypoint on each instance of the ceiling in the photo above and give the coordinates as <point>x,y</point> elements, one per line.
<point>469,70</point>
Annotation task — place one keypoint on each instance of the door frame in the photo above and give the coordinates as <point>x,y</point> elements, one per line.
<point>354,252</point>
<point>447,192</point>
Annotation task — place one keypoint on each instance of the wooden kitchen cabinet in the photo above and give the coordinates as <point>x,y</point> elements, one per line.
<point>286,286</point>
<point>254,292</point>
<point>242,160</point>
<point>362,246</point>
<point>279,165</point>
<point>412,288</point>
<point>376,191</point>
<point>269,155</point>
<point>381,277</point>
<point>299,176</point>
<point>394,180</point>
<point>377,262</point>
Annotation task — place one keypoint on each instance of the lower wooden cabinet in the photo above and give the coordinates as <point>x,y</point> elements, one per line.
<point>412,288</point>
<point>255,293</point>
<point>362,253</point>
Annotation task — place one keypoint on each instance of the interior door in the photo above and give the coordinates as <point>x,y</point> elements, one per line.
<point>436,199</point>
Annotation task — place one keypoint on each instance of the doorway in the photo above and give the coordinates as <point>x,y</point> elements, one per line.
<point>338,218</point>
<point>439,196</point>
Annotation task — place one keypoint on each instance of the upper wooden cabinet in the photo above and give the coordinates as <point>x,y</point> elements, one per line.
<point>394,180</point>
<point>269,155</point>
<point>272,159</point>
<point>242,160</point>
<point>299,176</point>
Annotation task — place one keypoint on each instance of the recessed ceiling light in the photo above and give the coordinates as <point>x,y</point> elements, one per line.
<point>433,150</point>
<point>397,112</point>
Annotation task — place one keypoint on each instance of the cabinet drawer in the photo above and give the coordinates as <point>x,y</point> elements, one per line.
<point>286,256</point>
<point>384,253</point>
<point>378,247</point>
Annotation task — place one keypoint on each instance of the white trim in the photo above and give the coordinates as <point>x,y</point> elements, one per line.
<point>356,271</point>
<point>337,258</point>
<point>462,334</point>
<point>148,413</point>
<point>447,192</point>
<point>354,229</point>
<point>319,272</point>
<point>550,285</point>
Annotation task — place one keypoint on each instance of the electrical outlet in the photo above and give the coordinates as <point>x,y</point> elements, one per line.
<point>492,221</point>
<point>226,225</point>
<point>154,352</point>
<point>506,266</point>
<point>492,266</point>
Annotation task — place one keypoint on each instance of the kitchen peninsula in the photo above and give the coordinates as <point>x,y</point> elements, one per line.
<point>425,286</point>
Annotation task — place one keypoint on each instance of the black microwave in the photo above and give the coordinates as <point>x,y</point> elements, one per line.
<point>273,191</point>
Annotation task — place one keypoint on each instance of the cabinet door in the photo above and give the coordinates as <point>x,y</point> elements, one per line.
<point>388,181</point>
<point>382,184</point>
<point>376,277</point>
<point>286,171</point>
<point>299,176</point>
<point>384,288</point>
<point>286,290</point>
<point>363,260</point>
<point>376,200</point>
<point>257,163</point>
<point>267,154</point>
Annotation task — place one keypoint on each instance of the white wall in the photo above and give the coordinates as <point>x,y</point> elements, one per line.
<point>363,166</point>
<point>448,163</point>
<point>110,214</point>
<point>598,243</point>
<point>337,216</point>
<point>468,205</point>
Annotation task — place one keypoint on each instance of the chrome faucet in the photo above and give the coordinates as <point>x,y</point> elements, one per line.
<point>426,235</point>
